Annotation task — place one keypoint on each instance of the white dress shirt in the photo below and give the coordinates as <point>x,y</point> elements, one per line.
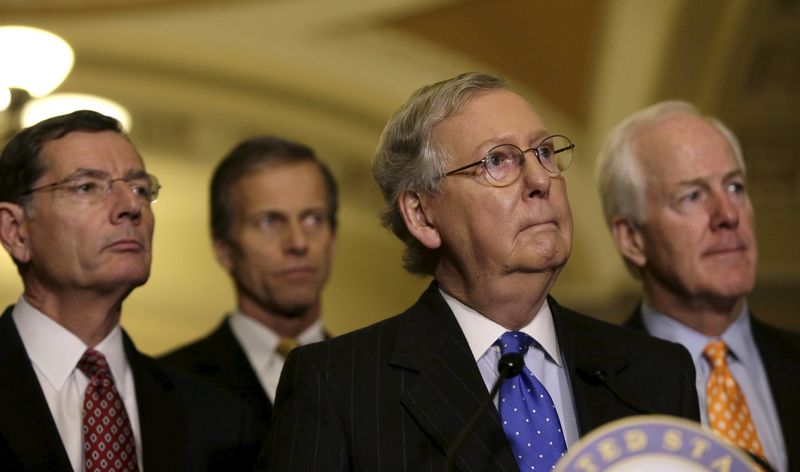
<point>54,352</point>
<point>259,344</point>
<point>544,360</point>
<point>745,365</point>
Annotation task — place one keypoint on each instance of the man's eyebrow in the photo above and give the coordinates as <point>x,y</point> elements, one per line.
<point>703,181</point>
<point>136,174</point>
<point>738,172</point>
<point>496,141</point>
<point>86,172</point>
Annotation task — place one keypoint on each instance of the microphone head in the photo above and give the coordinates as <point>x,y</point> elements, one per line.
<point>510,364</point>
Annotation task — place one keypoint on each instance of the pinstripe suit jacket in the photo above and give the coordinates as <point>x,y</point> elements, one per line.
<point>780,353</point>
<point>395,395</point>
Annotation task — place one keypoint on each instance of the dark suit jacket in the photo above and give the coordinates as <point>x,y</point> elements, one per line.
<point>394,396</point>
<point>220,359</point>
<point>186,424</point>
<point>780,353</point>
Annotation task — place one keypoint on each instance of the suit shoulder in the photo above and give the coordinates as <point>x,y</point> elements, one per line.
<point>203,351</point>
<point>185,385</point>
<point>777,338</point>
<point>625,336</point>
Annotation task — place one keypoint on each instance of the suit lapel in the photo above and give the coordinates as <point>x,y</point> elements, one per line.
<point>160,419</point>
<point>27,427</point>
<point>588,357</point>
<point>229,366</point>
<point>447,388</point>
<point>783,375</point>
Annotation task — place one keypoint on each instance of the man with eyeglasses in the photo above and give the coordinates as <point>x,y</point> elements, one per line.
<point>675,199</point>
<point>75,394</point>
<point>474,187</point>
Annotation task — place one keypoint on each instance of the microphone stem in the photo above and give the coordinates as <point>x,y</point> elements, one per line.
<point>459,442</point>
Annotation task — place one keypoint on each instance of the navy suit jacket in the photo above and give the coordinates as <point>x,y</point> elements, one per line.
<point>780,353</point>
<point>186,424</point>
<point>220,359</point>
<point>394,396</point>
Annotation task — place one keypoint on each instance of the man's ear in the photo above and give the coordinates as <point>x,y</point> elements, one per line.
<point>224,253</point>
<point>13,231</point>
<point>418,221</point>
<point>629,240</point>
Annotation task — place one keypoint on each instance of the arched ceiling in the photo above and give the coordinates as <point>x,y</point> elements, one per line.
<point>200,75</point>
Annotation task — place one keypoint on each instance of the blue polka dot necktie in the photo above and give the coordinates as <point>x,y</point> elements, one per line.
<point>528,414</point>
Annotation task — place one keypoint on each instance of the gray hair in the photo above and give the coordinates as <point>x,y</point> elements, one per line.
<point>409,159</point>
<point>619,177</point>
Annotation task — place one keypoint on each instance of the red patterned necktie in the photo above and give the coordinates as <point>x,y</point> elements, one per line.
<point>108,442</point>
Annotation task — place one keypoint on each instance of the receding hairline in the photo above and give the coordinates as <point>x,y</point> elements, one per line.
<point>493,140</point>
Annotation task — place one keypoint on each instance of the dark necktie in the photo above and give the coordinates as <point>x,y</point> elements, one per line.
<point>108,442</point>
<point>528,414</point>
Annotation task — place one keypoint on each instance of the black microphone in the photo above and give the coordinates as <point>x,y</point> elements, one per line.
<point>510,365</point>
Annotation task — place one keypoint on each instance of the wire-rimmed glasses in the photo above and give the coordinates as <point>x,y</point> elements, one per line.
<point>93,187</point>
<point>504,162</point>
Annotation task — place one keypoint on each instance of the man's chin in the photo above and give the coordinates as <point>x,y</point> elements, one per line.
<point>121,283</point>
<point>295,308</point>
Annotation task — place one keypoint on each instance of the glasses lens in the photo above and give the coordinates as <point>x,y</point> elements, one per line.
<point>555,153</point>
<point>503,162</point>
<point>145,188</point>
<point>155,187</point>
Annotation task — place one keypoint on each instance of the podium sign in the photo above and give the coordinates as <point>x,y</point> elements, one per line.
<point>654,443</point>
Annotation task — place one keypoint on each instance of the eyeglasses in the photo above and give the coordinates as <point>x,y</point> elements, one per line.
<point>504,163</point>
<point>94,188</point>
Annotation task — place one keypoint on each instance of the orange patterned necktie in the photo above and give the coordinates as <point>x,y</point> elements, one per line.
<point>728,414</point>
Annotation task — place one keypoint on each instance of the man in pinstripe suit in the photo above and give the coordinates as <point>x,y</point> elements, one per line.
<point>474,186</point>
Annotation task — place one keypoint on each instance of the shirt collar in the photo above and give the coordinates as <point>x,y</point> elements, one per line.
<point>738,336</point>
<point>40,333</point>
<point>260,342</point>
<point>481,332</point>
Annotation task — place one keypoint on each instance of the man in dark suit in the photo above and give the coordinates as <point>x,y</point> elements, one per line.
<point>75,394</point>
<point>474,186</point>
<point>273,221</point>
<point>674,195</point>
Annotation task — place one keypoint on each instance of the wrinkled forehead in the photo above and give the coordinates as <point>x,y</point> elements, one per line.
<point>105,151</point>
<point>683,147</point>
<point>492,117</point>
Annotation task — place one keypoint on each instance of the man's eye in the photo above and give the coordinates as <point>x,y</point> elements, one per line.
<point>141,189</point>
<point>494,160</point>
<point>313,220</point>
<point>545,152</point>
<point>85,186</point>
<point>499,159</point>
<point>692,196</point>
<point>736,187</point>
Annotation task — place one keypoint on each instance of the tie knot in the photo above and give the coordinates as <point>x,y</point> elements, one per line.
<point>285,345</point>
<point>93,363</point>
<point>514,341</point>
<point>717,353</point>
